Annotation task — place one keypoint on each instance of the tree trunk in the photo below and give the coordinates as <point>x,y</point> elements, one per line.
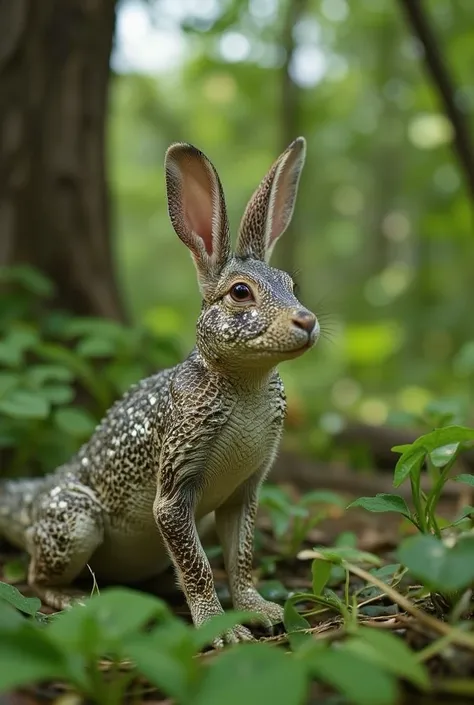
<point>54,201</point>
<point>286,253</point>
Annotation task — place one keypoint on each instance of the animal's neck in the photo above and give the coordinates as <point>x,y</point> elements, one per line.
<point>250,379</point>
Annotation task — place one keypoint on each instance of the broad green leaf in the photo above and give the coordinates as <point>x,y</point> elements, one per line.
<point>292,619</point>
<point>386,572</point>
<point>117,612</point>
<point>410,461</point>
<point>10,618</point>
<point>320,571</point>
<point>96,347</point>
<point>28,605</point>
<point>382,503</point>
<point>444,436</point>
<point>391,652</point>
<point>173,670</point>
<point>16,343</point>
<point>295,623</point>
<point>438,566</point>
<point>253,674</point>
<point>8,381</point>
<point>444,454</point>
<point>205,635</point>
<point>27,656</point>
<point>39,374</point>
<point>24,405</point>
<point>75,421</point>
<point>465,478</point>
<point>57,393</point>
<point>359,679</point>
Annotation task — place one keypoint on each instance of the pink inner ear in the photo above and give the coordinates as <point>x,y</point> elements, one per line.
<point>197,203</point>
<point>283,202</point>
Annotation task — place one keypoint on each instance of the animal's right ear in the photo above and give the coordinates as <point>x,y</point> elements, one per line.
<point>197,211</point>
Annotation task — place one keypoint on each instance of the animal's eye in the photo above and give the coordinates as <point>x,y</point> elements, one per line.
<point>241,292</point>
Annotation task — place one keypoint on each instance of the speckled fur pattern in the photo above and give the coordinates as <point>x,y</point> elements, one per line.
<point>191,441</point>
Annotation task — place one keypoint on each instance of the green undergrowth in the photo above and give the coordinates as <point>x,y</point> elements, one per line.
<point>351,634</point>
<point>60,373</point>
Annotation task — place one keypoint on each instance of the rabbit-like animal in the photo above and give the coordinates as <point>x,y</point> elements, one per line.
<point>189,441</point>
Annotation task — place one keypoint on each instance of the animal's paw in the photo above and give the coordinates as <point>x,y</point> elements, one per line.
<point>269,613</point>
<point>233,636</point>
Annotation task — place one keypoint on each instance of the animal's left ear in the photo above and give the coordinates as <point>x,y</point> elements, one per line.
<point>271,207</point>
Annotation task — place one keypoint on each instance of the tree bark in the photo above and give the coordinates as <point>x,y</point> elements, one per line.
<point>286,253</point>
<point>54,200</point>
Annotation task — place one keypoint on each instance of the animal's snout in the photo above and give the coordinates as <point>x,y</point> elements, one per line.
<point>304,319</point>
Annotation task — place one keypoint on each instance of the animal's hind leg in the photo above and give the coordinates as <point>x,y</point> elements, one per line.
<point>65,532</point>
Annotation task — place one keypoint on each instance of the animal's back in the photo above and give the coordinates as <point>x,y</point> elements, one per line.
<point>116,466</point>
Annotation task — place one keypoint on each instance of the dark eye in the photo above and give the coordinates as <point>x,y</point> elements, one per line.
<point>241,292</point>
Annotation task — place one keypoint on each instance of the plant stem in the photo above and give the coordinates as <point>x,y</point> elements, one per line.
<point>416,496</point>
<point>435,493</point>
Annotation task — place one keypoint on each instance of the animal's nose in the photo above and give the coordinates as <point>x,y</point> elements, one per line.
<point>304,319</point>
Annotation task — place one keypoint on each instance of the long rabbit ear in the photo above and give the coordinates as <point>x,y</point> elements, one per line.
<point>270,209</point>
<point>197,211</point>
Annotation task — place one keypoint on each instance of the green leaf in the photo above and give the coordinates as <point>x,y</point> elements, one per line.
<point>96,347</point>
<point>28,605</point>
<point>465,478</point>
<point>8,381</point>
<point>10,618</point>
<point>166,658</point>
<point>320,571</point>
<point>357,678</point>
<point>413,456</point>
<point>21,404</point>
<point>292,619</point>
<point>75,421</point>
<point>391,652</point>
<point>402,448</point>
<point>382,503</point>
<point>294,624</point>
<point>438,566</point>
<point>30,279</point>
<point>37,375</point>
<point>26,657</point>
<point>444,454</point>
<point>116,612</point>
<point>217,625</point>
<point>57,393</point>
<point>411,461</point>
<point>386,573</point>
<point>253,674</point>
<point>444,436</point>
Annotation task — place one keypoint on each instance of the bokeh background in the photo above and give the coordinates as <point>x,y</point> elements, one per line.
<point>382,238</point>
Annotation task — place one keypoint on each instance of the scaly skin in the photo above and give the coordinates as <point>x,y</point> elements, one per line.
<point>189,441</point>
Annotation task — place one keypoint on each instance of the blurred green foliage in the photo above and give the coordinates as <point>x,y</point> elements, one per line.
<point>382,234</point>
<point>59,374</point>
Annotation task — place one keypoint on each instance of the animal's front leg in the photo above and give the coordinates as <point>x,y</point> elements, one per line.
<point>235,523</point>
<point>175,519</point>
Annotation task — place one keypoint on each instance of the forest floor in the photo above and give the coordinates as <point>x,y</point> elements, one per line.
<point>376,533</point>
